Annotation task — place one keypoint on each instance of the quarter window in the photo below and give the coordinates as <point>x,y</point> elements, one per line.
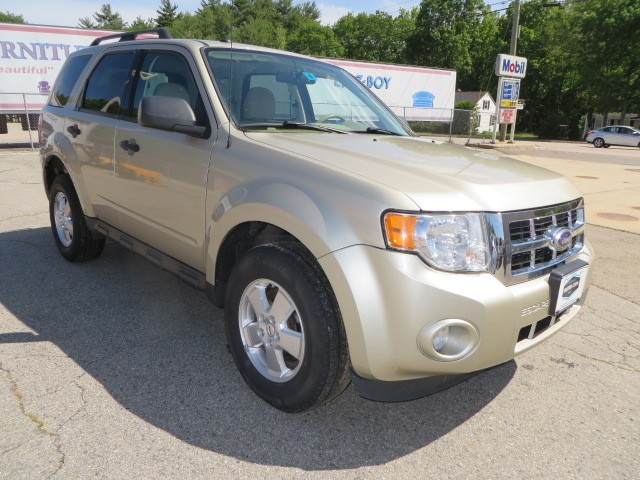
<point>105,88</point>
<point>71,71</point>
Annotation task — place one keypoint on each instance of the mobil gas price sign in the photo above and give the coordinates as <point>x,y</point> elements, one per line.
<point>511,66</point>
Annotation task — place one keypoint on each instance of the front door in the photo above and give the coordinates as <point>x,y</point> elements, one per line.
<point>161,176</point>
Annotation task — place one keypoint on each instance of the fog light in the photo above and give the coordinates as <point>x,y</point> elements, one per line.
<point>441,338</point>
<point>449,339</point>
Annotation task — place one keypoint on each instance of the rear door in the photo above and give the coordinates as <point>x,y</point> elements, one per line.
<point>91,130</point>
<point>161,176</point>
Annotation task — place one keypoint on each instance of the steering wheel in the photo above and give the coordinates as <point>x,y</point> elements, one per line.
<point>332,118</point>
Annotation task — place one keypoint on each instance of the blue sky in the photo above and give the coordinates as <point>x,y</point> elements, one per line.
<point>67,12</point>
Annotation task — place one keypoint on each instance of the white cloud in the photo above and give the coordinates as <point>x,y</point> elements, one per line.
<point>329,14</point>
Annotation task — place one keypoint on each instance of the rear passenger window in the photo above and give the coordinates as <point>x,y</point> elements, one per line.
<point>105,87</point>
<point>67,79</point>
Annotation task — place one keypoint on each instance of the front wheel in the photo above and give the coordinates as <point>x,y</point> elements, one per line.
<point>284,328</point>
<point>598,142</point>
<point>71,235</point>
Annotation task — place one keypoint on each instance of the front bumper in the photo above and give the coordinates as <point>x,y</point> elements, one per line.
<point>386,298</point>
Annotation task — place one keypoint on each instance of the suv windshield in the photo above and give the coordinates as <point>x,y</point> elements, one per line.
<point>270,90</point>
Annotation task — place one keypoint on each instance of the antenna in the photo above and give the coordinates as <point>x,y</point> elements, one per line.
<point>230,71</point>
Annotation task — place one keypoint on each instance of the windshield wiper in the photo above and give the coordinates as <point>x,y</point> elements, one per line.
<point>291,125</point>
<point>310,126</point>
<point>378,130</point>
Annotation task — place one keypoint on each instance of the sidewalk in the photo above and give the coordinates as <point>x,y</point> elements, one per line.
<point>611,191</point>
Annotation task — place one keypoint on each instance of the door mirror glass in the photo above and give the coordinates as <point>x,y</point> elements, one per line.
<point>169,113</point>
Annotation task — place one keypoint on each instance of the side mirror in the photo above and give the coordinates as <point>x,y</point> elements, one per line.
<point>169,113</point>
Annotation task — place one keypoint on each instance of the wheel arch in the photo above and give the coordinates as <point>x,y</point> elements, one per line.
<point>264,212</point>
<point>238,240</point>
<point>53,167</point>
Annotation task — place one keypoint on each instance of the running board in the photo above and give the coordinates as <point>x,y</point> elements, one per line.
<point>184,272</point>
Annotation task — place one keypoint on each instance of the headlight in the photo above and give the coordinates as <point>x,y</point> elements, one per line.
<point>455,243</point>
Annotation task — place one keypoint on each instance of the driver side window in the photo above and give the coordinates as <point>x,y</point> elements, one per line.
<point>167,74</point>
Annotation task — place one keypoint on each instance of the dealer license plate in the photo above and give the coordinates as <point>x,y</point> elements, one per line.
<point>567,284</point>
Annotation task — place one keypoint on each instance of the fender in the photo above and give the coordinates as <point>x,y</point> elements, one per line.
<point>58,145</point>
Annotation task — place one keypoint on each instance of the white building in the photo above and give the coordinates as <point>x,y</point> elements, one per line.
<point>485,108</point>
<point>631,120</point>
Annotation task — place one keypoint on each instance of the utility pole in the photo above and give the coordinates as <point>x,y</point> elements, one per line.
<point>515,31</point>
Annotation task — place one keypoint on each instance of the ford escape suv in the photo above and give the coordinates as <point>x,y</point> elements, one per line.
<point>342,246</point>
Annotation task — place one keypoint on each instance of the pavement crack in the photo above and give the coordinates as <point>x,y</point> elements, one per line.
<point>80,408</point>
<point>34,418</point>
<point>617,365</point>
<point>10,450</point>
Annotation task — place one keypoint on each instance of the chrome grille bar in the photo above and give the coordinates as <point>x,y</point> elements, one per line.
<point>541,257</point>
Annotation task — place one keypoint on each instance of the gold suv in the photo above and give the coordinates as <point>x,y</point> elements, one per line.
<point>342,246</point>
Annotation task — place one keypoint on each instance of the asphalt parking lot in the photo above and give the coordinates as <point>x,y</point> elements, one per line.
<point>115,369</point>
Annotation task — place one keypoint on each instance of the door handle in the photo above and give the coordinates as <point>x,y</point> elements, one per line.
<point>74,130</point>
<point>130,146</point>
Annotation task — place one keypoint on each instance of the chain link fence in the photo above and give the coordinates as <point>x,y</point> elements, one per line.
<point>19,116</point>
<point>445,121</point>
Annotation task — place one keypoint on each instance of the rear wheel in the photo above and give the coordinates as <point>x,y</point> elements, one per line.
<point>598,142</point>
<point>284,328</point>
<point>71,235</point>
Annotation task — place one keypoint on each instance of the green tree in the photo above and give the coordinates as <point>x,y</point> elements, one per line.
<point>104,18</point>
<point>293,16</point>
<point>212,20</point>
<point>311,38</point>
<point>445,34</point>
<point>166,14</point>
<point>8,17</point>
<point>261,31</point>
<point>141,24</point>
<point>377,36</point>
<point>86,22</point>
<point>604,44</point>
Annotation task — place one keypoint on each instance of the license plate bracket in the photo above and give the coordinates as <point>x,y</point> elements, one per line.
<point>566,285</point>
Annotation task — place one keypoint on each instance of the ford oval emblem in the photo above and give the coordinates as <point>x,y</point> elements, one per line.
<point>559,238</point>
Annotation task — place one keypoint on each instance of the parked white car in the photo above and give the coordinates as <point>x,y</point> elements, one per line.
<point>614,135</point>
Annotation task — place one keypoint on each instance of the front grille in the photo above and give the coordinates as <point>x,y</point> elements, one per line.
<point>528,251</point>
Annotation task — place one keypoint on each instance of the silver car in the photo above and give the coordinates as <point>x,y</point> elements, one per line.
<point>614,135</point>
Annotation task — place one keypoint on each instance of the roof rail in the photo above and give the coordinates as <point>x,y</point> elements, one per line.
<point>124,36</point>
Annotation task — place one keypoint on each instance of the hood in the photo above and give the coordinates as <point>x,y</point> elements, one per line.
<point>436,176</point>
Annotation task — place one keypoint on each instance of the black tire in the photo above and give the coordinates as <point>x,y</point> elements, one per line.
<point>321,371</point>
<point>80,243</point>
<point>598,142</point>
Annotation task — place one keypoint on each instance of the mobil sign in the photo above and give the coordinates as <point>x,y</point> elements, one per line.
<point>511,66</point>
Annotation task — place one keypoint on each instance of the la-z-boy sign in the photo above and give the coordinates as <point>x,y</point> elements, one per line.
<point>511,66</point>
